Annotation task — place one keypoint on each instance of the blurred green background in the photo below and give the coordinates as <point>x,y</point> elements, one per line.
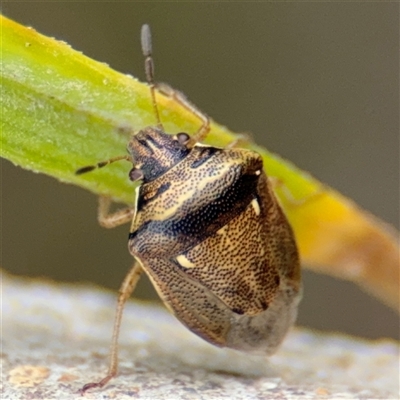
<point>315,82</point>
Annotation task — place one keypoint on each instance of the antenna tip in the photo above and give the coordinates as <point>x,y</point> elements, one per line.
<point>83,170</point>
<point>146,40</point>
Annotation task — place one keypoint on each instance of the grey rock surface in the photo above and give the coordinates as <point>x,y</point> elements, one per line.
<point>55,338</point>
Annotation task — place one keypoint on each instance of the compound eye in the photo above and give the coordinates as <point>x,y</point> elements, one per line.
<point>182,137</point>
<point>135,174</point>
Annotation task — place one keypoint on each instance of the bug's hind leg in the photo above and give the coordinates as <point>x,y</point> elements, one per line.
<point>180,98</point>
<point>242,140</point>
<point>127,287</point>
<point>290,201</point>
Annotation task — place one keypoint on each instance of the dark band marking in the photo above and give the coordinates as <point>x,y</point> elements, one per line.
<point>216,214</point>
<point>198,225</point>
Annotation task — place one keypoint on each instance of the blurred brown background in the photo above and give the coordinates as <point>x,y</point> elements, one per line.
<point>315,82</point>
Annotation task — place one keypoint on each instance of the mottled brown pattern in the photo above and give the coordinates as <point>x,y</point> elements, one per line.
<point>190,189</point>
<point>213,239</point>
<point>240,275</point>
<point>192,303</point>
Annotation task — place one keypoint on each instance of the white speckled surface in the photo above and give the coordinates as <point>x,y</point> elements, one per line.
<point>55,338</point>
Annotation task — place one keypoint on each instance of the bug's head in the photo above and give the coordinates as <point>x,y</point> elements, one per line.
<point>154,152</point>
<point>151,150</point>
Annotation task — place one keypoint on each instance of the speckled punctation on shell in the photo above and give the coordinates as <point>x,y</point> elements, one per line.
<point>213,239</point>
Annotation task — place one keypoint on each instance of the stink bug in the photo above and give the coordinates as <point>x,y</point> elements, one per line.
<point>210,234</point>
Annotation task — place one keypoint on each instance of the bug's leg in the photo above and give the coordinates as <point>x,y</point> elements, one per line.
<point>120,217</point>
<point>291,201</point>
<point>242,140</point>
<point>127,287</point>
<point>180,98</point>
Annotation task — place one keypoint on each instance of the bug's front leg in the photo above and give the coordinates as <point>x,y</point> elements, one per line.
<point>127,287</point>
<point>112,220</point>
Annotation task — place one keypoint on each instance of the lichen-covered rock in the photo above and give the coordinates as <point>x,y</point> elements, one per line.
<point>56,338</point>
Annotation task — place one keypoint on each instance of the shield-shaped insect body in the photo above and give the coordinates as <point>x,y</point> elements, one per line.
<point>215,243</point>
<point>210,234</point>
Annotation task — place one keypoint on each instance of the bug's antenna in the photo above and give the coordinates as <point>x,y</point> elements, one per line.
<point>149,68</point>
<point>100,164</point>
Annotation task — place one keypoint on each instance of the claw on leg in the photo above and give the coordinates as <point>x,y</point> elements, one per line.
<point>98,385</point>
